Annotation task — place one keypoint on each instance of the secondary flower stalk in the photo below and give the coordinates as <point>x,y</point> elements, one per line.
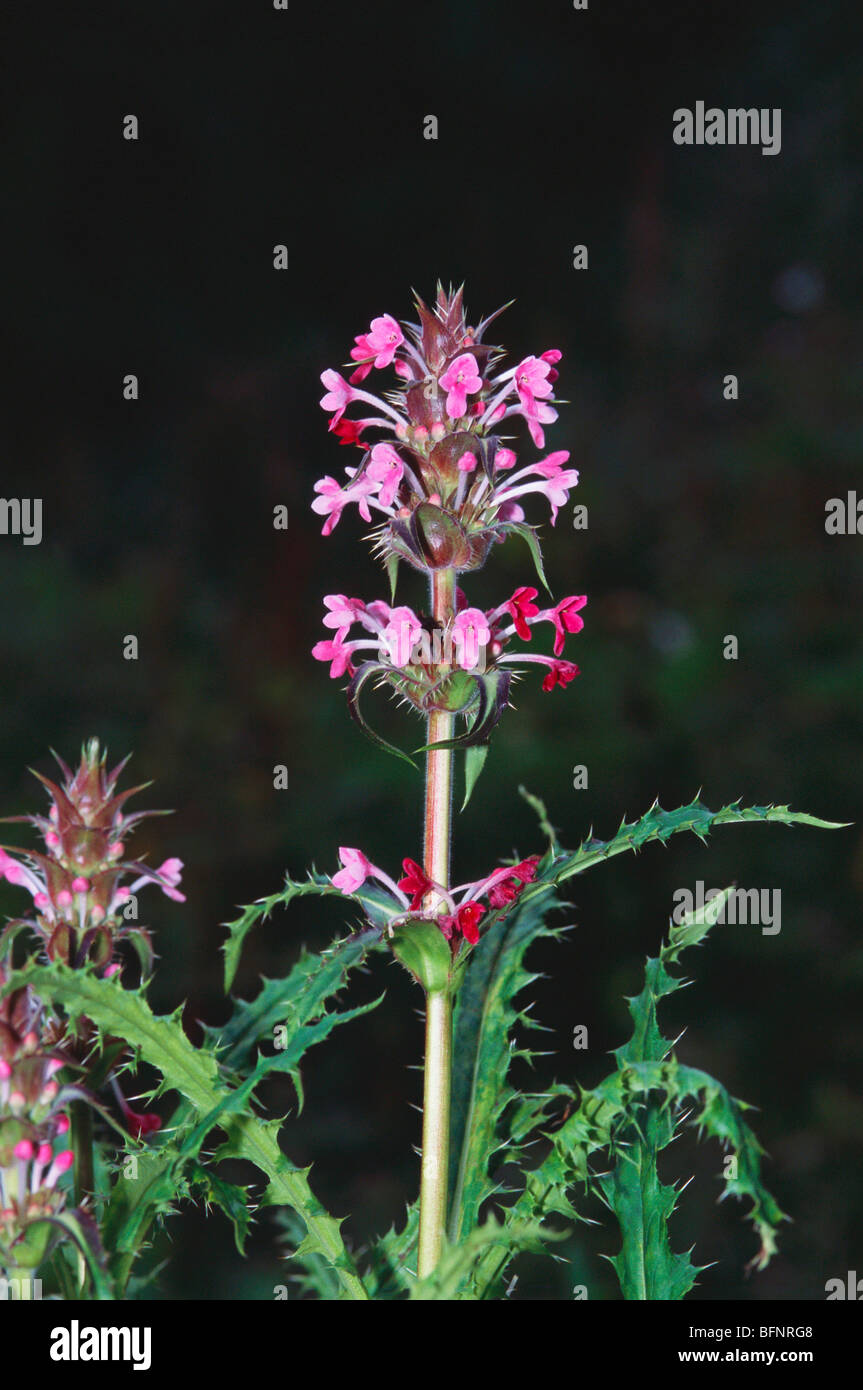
<point>83,889</point>
<point>83,884</point>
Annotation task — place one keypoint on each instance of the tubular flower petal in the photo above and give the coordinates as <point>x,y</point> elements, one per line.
<point>415,882</point>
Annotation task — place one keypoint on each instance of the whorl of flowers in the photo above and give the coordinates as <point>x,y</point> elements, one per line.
<point>440,473</point>
<point>457,911</point>
<point>444,483</point>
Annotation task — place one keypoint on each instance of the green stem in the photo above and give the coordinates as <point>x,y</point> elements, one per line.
<point>436,1114</point>
<point>438,1055</point>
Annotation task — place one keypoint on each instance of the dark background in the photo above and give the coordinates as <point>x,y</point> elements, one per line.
<point>706,518</point>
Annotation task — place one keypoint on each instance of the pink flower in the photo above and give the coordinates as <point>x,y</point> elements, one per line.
<point>504,458</point>
<point>552,465</point>
<point>335,652</point>
<point>532,383</point>
<point>532,379</point>
<point>387,469</point>
<point>363,354</point>
<point>401,632</point>
<point>354,872</point>
<point>552,356</point>
<point>339,394</point>
<point>167,876</point>
<point>377,348</point>
<point>334,498</point>
<point>522,607</point>
<point>384,339</point>
<point>460,379</point>
<point>510,511</point>
<point>557,490</point>
<point>565,618</point>
<point>11,870</point>
<point>470,632</point>
<point>544,416</point>
<point>467,462</point>
<point>171,871</point>
<point>556,484</point>
<point>379,611</point>
<point>344,612</point>
<point>331,502</point>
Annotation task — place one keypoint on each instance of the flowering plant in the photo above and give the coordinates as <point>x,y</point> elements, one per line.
<point>437,462</point>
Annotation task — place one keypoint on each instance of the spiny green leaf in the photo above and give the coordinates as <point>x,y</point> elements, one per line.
<point>298,1039</point>
<point>391,1271</point>
<point>363,674</point>
<point>372,899</point>
<point>193,1072</point>
<point>296,999</point>
<point>611,1118</point>
<point>227,1196</point>
<point>657,824</point>
<point>542,814</point>
<point>647,1267</point>
<point>319,1277</point>
<point>528,534</point>
<point>484,1019</point>
<point>452,1276</point>
<point>474,762</point>
<point>140,1194</point>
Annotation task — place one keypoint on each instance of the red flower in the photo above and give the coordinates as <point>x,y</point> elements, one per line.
<point>414,882</point>
<point>142,1125</point>
<point>465,922</point>
<point>507,891</point>
<point>560,673</point>
<point>565,618</point>
<point>349,431</point>
<point>522,607</point>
